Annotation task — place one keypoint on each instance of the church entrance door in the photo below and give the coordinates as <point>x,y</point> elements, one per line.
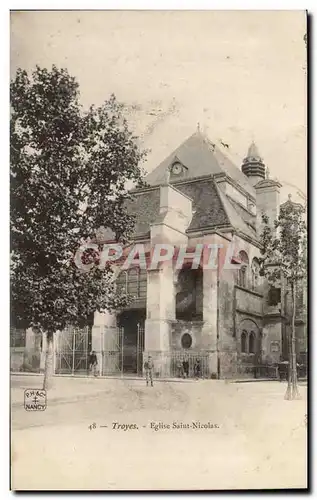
<point>131,324</point>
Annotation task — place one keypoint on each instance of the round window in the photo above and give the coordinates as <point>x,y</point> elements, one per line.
<point>177,168</point>
<point>186,341</point>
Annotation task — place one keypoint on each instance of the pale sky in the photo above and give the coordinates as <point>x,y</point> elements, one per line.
<point>240,74</point>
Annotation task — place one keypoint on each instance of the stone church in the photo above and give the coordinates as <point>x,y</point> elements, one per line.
<point>228,317</point>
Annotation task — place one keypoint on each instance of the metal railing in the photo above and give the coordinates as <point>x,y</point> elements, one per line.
<point>181,364</point>
<point>72,351</point>
<point>171,364</point>
<point>259,371</point>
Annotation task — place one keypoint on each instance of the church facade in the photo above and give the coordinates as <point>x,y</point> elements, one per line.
<point>226,316</point>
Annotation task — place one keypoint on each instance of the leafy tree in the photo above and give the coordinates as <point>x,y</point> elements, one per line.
<point>70,171</point>
<point>284,261</point>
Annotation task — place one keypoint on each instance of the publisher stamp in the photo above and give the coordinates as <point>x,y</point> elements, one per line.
<point>35,400</point>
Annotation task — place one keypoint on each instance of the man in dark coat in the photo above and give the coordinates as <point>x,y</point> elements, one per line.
<point>186,367</point>
<point>93,363</point>
<point>149,367</point>
<point>197,368</point>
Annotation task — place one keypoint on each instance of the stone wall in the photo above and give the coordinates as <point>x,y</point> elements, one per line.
<point>193,328</point>
<point>272,340</point>
<point>248,301</point>
<point>16,358</point>
<point>228,361</point>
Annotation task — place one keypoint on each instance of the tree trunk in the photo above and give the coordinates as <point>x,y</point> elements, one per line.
<point>292,387</point>
<point>289,373</point>
<point>48,370</point>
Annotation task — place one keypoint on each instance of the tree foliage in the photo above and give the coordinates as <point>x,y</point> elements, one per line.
<point>284,245</point>
<point>284,261</point>
<point>70,171</point>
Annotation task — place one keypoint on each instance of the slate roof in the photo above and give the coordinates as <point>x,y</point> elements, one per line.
<point>201,157</point>
<point>248,218</point>
<point>236,221</point>
<point>145,205</point>
<point>212,207</point>
<point>209,211</point>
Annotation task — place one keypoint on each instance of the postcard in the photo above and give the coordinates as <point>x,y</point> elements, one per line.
<point>158,166</point>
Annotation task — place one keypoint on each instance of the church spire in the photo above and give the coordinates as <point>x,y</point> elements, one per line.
<point>253,166</point>
<point>253,151</point>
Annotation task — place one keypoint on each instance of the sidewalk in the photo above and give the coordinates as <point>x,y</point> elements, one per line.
<point>67,388</point>
<point>136,378</point>
<point>73,390</point>
<point>104,377</point>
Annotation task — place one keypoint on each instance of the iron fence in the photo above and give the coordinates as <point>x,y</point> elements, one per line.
<point>117,355</point>
<point>72,351</point>
<point>258,371</point>
<point>181,364</point>
<point>171,364</point>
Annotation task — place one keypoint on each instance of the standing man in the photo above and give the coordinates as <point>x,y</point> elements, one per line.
<point>149,366</point>
<point>93,363</point>
<point>186,367</point>
<point>197,368</point>
<point>179,367</point>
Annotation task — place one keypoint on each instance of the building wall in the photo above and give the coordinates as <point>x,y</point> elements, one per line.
<point>16,358</point>
<point>25,352</point>
<point>193,328</point>
<point>272,339</point>
<point>237,305</point>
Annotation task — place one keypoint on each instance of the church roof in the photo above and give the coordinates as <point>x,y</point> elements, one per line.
<point>268,183</point>
<point>237,220</point>
<point>212,208</point>
<point>201,157</point>
<point>291,203</point>
<point>253,151</point>
<point>209,211</point>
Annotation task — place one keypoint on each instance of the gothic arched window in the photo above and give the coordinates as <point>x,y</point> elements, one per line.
<point>255,273</point>
<point>252,343</point>
<point>244,338</point>
<point>242,274</point>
